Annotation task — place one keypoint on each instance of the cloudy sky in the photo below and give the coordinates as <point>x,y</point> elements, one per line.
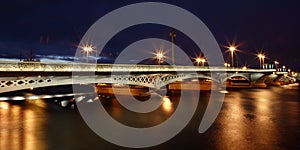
<point>53,28</point>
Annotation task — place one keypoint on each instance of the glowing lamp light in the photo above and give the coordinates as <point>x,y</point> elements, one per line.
<point>232,48</point>
<point>159,55</point>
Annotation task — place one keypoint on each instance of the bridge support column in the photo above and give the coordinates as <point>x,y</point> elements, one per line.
<point>257,80</point>
<point>273,80</point>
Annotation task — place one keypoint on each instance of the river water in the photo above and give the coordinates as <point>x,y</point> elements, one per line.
<point>249,119</point>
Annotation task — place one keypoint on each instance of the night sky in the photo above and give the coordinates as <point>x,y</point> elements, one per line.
<point>53,28</point>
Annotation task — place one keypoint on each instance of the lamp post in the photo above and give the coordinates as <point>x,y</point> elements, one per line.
<point>173,35</point>
<point>261,58</point>
<point>276,64</point>
<point>159,56</point>
<point>232,49</point>
<point>87,50</point>
<point>203,61</point>
<point>200,60</point>
<point>226,65</point>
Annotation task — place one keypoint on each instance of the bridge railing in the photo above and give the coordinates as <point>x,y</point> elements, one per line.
<point>84,67</point>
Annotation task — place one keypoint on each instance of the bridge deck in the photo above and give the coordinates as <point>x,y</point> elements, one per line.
<point>40,67</point>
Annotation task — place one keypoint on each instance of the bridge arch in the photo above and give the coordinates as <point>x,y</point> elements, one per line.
<point>236,75</point>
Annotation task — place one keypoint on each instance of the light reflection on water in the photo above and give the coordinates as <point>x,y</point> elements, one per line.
<point>249,119</point>
<point>167,104</point>
<point>20,127</point>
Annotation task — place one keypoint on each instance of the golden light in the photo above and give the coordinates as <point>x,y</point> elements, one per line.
<point>226,64</point>
<point>232,48</point>
<point>244,68</point>
<point>31,88</point>
<point>203,60</point>
<point>159,55</point>
<point>289,70</point>
<point>87,48</point>
<point>283,67</point>
<point>198,60</point>
<point>276,62</point>
<point>261,58</point>
<point>167,104</point>
<point>4,105</point>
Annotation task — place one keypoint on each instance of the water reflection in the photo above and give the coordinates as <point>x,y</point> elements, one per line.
<point>167,104</point>
<point>20,126</point>
<point>249,119</point>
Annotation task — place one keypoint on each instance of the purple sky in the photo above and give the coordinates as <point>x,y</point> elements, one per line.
<point>269,25</point>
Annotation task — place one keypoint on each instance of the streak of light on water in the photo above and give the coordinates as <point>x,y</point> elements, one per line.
<point>35,97</point>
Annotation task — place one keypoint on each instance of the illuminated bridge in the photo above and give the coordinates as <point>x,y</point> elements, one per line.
<point>23,75</point>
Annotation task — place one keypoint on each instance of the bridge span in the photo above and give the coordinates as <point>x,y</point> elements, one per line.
<point>24,75</point>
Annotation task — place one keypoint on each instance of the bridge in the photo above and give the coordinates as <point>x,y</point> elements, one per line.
<point>24,75</point>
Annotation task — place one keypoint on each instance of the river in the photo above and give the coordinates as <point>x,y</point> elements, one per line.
<point>249,119</point>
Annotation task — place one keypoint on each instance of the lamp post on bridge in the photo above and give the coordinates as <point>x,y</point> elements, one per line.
<point>261,58</point>
<point>200,60</point>
<point>173,35</point>
<point>232,49</point>
<point>276,64</point>
<point>226,65</point>
<point>87,49</point>
<point>159,56</point>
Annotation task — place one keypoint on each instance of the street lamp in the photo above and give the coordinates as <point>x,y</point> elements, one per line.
<point>87,49</point>
<point>226,64</point>
<point>276,64</point>
<point>203,61</point>
<point>200,60</point>
<point>173,35</point>
<point>159,56</point>
<point>261,58</point>
<point>232,49</point>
